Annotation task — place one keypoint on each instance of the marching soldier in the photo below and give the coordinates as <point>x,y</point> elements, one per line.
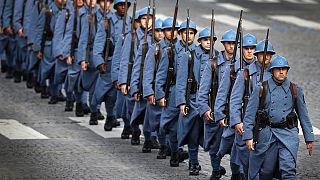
<point>190,125</point>
<point>3,39</point>
<point>280,103</point>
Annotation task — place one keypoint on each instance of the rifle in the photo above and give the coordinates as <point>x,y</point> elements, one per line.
<point>214,83</point>
<point>133,37</point>
<point>47,30</point>
<point>153,21</point>
<point>144,53</point>
<point>90,40</point>
<point>232,66</point>
<point>190,66</point>
<point>108,40</point>
<point>170,50</point>
<point>246,91</point>
<point>125,19</point>
<point>74,41</point>
<point>263,91</point>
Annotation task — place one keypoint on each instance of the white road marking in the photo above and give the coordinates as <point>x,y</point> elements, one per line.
<point>232,7</point>
<point>265,1</point>
<point>302,1</point>
<point>232,21</point>
<point>296,21</point>
<point>12,129</point>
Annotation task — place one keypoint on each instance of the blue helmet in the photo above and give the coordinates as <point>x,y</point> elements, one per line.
<point>249,40</point>
<point>192,25</point>
<point>116,2</point>
<point>206,32</point>
<point>167,23</point>
<point>279,62</point>
<point>137,14</point>
<point>158,24</point>
<point>229,36</point>
<point>144,11</point>
<point>260,47</point>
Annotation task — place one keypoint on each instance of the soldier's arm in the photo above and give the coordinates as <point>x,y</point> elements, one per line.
<point>124,60</point>
<point>135,76</point>
<point>58,33</point>
<point>250,117</point>
<point>17,15</point>
<point>204,90</point>
<point>83,39</point>
<point>149,70</point>
<point>98,45</point>
<point>222,93</point>
<point>69,33</point>
<point>236,100</point>
<point>116,58</point>
<point>161,75</point>
<point>303,115</point>
<point>7,14</point>
<point>39,31</point>
<point>181,79</point>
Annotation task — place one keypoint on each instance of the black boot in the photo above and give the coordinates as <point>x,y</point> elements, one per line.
<point>183,155</point>
<point>115,122</point>
<point>79,110</point>
<point>93,119</point>
<point>155,143</point>
<point>162,154</point>
<point>222,171</point>
<point>4,66</point>
<point>17,77</point>
<point>53,100</point>
<point>239,176</point>
<point>99,115</point>
<point>44,92</point>
<point>135,140</point>
<point>215,175</point>
<point>30,81</point>
<point>174,161</point>
<point>126,132</point>
<point>194,170</point>
<point>86,109</point>
<point>37,87</point>
<point>24,75</point>
<point>146,147</point>
<point>69,106</point>
<point>9,74</point>
<point>61,97</point>
<point>168,150</point>
<point>108,125</point>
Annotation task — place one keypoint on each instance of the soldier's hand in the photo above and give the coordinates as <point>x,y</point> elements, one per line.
<point>69,60</point>
<point>124,89</point>
<point>39,55</point>
<point>60,58</point>
<point>207,116</point>
<point>239,128</point>
<point>183,110</point>
<point>151,100</point>
<point>116,85</point>
<point>9,30</point>
<point>1,30</point>
<point>221,122</point>
<point>84,65</point>
<point>162,102</point>
<point>20,32</point>
<point>136,97</point>
<point>249,144</point>
<point>102,68</point>
<point>309,147</point>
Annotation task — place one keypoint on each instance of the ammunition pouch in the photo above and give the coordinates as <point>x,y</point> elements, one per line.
<point>194,87</point>
<point>291,121</point>
<point>111,49</point>
<point>48,35</point>
<point>264,119</point>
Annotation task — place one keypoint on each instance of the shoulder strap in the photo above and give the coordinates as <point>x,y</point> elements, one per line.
<point>263,94</point>
<point>293,89</point>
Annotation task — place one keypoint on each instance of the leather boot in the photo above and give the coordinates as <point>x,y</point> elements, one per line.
<point>69,106</point>
<point>194,170</point>
<point>93,119</point>
<point>162,154</point>
<point>135,140</point>
<point>146,147</point>
<point>79,110</point>
<point>174,161</point>
<point>126,132</point>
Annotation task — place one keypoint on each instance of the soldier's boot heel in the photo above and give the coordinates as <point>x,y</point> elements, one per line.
<point>99,115</point>
<point>194,169</point>
<point>69,106</point>
<point>126,132</point>
<point>146,147</point>
<point>53,100</point>
<point>4,66</point>
<point>79,110</point>
<point>174,161</point>
<point>9,74</point>
<point>183,155</point>
<point>162,154</point>
<point>30,81</point>
<point>93,119</point>
<point>215,175</point>
<point>239,176</point>
<point>135,140</point>
<point>17,77</point>
<point>108,125</point>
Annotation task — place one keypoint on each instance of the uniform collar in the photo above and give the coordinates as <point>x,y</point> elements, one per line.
<point>285,85</point>
<point>221,58</point>
<point>255,68</point>
<point>140,33</point>
<point>180,46</point>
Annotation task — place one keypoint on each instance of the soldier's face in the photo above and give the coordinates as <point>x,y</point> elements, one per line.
<point>143,21</point>
<point>205,43</point>
<point>61,1</point>
<point>80,3</point>
<point>229,47</point>
<point>108,4</point>
<point>167,34</point>
<point>158,35</point>
<point>94,2</point>
<point>280,74</point>
<point>248,52</point>
<point>191,36</point>
<point>260,58</point>
<point>120,8</point>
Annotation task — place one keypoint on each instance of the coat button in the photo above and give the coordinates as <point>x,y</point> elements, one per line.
<point>285,104</point>
<point>272,102</point>
<point>286,97</point>
<point>271,109</point>
<point>284,111</point>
